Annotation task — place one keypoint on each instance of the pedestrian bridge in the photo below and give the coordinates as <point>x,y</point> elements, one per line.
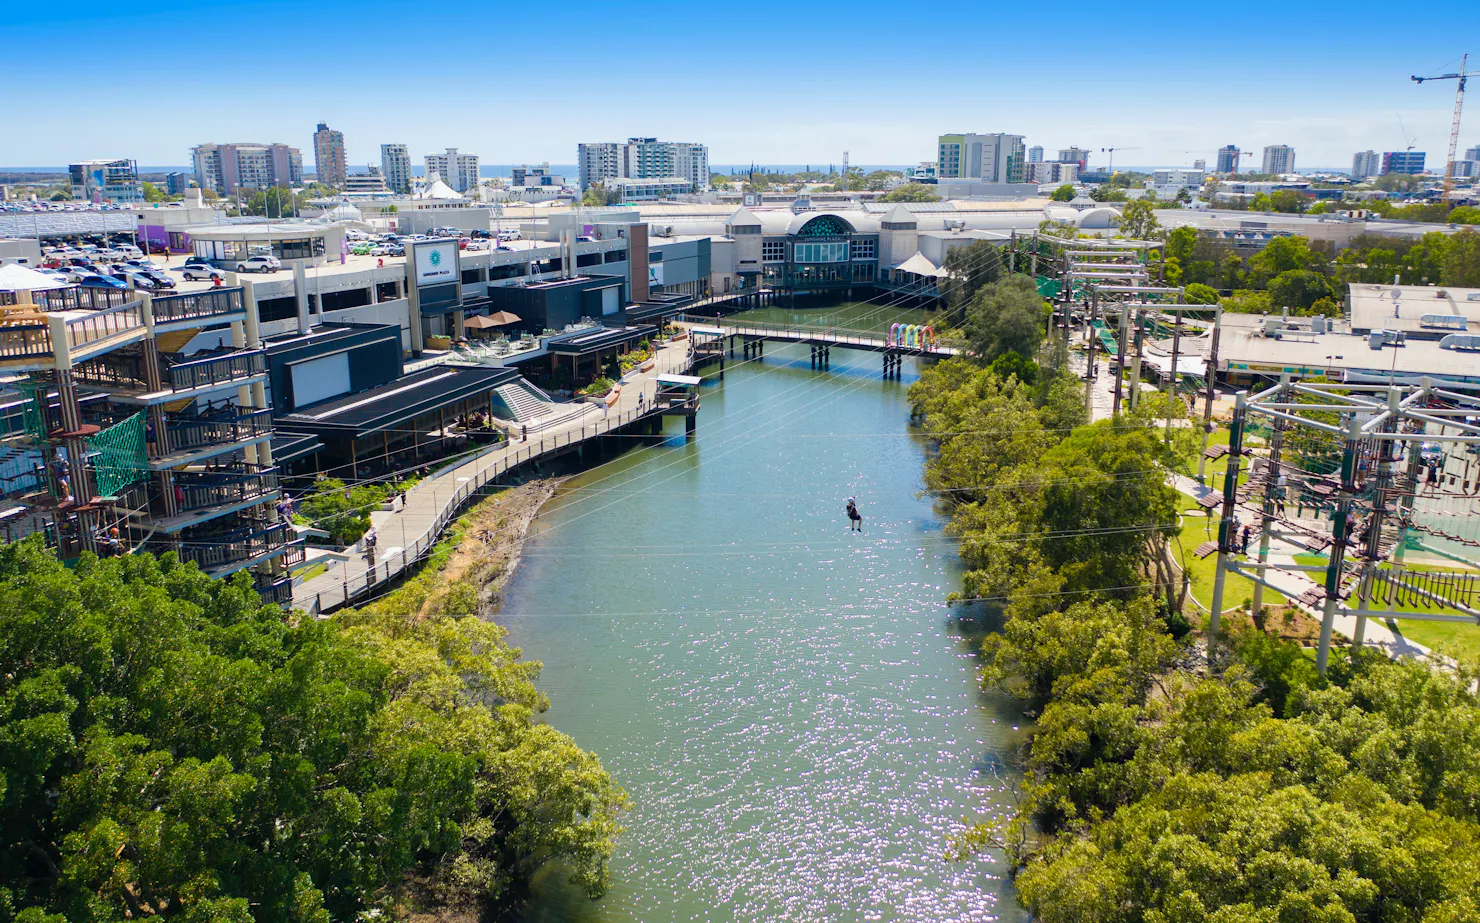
<point>719,329</point>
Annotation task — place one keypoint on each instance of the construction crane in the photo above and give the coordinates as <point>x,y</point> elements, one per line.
<point>1459,104</point>
<point>1111,151</point>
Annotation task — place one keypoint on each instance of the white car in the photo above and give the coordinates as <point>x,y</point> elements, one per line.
<point>201,272</point>
<point>259,264</point>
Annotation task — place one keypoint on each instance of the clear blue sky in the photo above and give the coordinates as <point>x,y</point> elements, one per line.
<point>765,81</point>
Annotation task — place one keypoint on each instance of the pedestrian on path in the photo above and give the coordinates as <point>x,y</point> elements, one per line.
<point>370,541</point>
<point>524,433</point>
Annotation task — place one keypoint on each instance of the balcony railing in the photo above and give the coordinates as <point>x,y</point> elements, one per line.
<point>213,488</point>
<point>188,433</point>
<point>25,341</point>
<point>221,549</point>
<point>213,370</point>
<point>83,298</point>
<point>126,370</point>
<point>215,302</point>
<point>104,323</point>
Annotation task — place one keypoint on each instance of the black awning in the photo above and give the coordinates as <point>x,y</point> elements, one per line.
<point>586,342</point>
<point>393,404</point>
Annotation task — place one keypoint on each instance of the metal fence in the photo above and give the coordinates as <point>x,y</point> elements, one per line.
<point>450,503</point>
<point>214,302</point>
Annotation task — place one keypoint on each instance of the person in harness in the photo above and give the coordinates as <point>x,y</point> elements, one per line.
<point>855,519</point>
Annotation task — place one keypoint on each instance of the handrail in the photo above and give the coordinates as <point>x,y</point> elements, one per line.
<point>194,305</point>
<point>194,432</point>
<point>209,554</point>
<point>25,341</point>
<point>397,562</point>
<point>105,323</point>
<point>217,369</point>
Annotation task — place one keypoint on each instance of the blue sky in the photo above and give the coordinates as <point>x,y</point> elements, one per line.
<point>765,81</point>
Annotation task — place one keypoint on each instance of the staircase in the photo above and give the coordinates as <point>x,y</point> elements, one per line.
<point>536,409</point>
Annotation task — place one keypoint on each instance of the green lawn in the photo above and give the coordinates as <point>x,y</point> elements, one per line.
<point>1196,529</point>
<point>1461,638</point>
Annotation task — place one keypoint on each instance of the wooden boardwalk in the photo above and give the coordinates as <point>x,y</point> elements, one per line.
<point>407,535</point>
<point>812,335</point>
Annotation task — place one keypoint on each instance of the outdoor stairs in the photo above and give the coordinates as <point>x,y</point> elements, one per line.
<point>536,409</point>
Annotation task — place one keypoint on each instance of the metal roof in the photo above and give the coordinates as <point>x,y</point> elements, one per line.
<point>394,403</point>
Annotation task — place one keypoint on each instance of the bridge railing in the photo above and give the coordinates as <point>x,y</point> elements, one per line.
<point>448,503</point>
<point>835,336</point>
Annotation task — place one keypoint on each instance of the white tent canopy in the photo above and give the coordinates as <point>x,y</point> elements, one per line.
<point>17,278</point>
<point>920,265</point>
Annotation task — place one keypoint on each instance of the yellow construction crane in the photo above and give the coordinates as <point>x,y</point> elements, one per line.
<point>1459,104</point>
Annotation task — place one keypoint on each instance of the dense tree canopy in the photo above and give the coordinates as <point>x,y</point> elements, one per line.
<point>1006,316</point>
<point>171,747</point>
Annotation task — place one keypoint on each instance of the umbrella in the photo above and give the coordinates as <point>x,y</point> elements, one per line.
<point>496,319</point>
<point>18,278</point>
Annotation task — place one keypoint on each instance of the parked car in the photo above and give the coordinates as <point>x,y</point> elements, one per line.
<point>160,279</point>
<point>201,271</point>
<point>198,261</point>
<point>92,280</point>
<point>259,263</point>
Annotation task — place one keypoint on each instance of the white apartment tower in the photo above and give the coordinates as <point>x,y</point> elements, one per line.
<point>643,158</point>
<point>995,158</point>
<point>1366,164</point>
<point>395,166</point>
<point>460,171</point>
<point>1279,158</point>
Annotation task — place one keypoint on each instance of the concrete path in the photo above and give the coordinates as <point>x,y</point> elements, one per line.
<point>407,534</point>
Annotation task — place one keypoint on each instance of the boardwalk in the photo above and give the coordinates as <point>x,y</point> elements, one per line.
<point>407,535</point>
<point>870,340</point>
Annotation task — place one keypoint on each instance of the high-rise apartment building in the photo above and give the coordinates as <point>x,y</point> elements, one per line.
<point>106,181</point>
<point>1365,164</point>
<point>371,182</point>
<point>225,168</point>
<point>395,166</point>
<point>328,156</point>
<point>1227,159</point>
<point>460,171</point>
<point>1410,162</point>
<point>1200,164</point>
<point>643,158</point>
<point>1279,158</point>
<point>1035,154</point>
<point>996,158</point>
<point>1074,155</point>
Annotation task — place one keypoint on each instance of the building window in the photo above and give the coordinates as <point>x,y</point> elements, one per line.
<point>387,291</point>
<point>588,259</point>
<point>773,251</point>
<point>655,256</point>
<point>616,256</point>
<point>865,249</point>
<point>507,271</point>
<point>269,309</point>
<point>349,298</point>
<point>471,276</point>
<point>298,249</point>
<point>822,252</point>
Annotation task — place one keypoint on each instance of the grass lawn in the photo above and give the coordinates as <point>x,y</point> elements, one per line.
<point>1196,529</point>
<point>1457,637</point>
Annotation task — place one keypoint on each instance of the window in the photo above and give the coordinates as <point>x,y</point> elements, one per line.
<point>470,276</point>
<point>828,252</point>
<point>616,256</point>
<point>349,298</point>
<point>507,271</point>
<point>298,249</point>
<point>269,309</point>
<point>865,249</point>
<point>588,259</point>
<point>655,256</point>
<point>387,291</point>
<point>773,251</point>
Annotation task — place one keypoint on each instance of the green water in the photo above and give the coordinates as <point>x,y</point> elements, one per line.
<point>788,703</point>
<point>875,316</point>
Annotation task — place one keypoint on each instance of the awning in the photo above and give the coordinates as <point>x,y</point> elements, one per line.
<point>17,278</point>
<point>918,265</point>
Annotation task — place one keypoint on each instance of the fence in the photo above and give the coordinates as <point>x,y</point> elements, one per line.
<point>216,370</point>
<point>804,333</point>
<point>450,505</point>
<point>196,305</point>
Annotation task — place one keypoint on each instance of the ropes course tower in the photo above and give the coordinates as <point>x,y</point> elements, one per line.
<point>1362,473</point>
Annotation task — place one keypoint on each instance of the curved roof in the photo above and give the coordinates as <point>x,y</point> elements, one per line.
<point>257,231</point>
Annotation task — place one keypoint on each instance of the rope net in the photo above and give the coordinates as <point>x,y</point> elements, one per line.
<point>118,457</point>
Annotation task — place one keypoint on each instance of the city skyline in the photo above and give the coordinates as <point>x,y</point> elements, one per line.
<point>1181,106</point>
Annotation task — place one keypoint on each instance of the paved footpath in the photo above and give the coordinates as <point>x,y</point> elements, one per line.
<point>408,533</point>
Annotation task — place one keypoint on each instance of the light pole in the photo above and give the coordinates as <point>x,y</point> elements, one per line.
<point>1329,365</point>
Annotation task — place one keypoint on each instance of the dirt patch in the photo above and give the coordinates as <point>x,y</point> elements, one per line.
<point>492,537</point>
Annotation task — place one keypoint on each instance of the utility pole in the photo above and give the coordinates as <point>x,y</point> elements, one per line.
<point>1212,373</point>
<point>1340,529</point>
<point>1225,525</point>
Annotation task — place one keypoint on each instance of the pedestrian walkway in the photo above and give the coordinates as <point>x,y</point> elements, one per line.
<point>407,534</point>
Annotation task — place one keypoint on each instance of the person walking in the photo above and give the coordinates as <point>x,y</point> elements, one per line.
<point>855,519</point>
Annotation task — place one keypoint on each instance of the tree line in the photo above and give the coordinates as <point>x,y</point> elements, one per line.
<point>1156,789</point>
<point>170,747</point>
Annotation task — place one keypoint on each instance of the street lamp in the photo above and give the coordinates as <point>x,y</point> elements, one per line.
<point>1328,365</point>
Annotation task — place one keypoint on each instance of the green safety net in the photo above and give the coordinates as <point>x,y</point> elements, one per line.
<point>33,408</point>
<point>118,457</point>
<point>1048,288</point>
